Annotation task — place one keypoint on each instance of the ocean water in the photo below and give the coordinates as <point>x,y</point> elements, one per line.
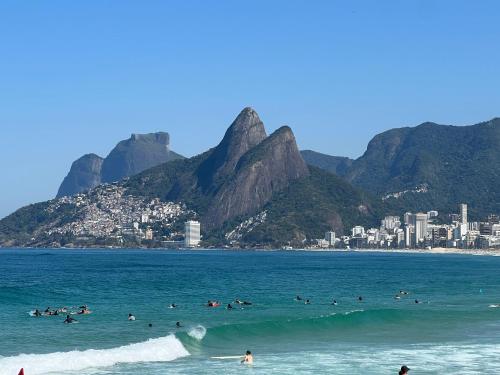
<point>453,329</point>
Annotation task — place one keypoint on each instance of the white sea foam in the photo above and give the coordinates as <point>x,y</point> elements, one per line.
<point>197,332</point>
<point>161,349</point>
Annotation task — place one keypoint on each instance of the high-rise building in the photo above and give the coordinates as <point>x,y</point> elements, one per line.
<point>330,238</point>
<point>358,231</point>
<point>192,233</point>
<point>409,235</point>
<point>391,223</point>
<point>420,227</point>
<point>463,213</point>
<point>409,218</point>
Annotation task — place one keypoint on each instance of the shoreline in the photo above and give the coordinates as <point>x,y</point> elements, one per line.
<point>436,250</point>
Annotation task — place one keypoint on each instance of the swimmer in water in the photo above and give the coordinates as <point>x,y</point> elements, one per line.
<point>404,370</point>
<point>131,317</point>
<point>248,359</point>
<point>298,298</point>
<point>360,299</point>
<point>239,302</point>
<point>229,306</point>
<point>150,325</point>
<point>84,311</point>
<point>178,325</point>
<point>69,320</point>
<point>334,302</point>
<point>307,302</point>
<point>397,297</point>
<point>172,306</point>
<point>37,313</point>
<point>246,303</point>
<point>417,301</point>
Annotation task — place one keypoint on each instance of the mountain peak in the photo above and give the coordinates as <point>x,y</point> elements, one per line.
<point>247,128</point>
<point>136,154</point>
<point>85,174</point>
<point>263,170</point>
<point>246,132</point>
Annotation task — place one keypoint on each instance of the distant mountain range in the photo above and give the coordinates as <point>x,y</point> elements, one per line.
<point>255,189</point>
<point>248,175</point>
<point>129,157</point>
<point>429,166</point>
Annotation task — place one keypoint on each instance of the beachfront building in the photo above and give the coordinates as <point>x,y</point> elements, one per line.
<point>358,231</point>
<point>192,233</point>
<point>420,227</point>
<point>463,213</point>
<point>330,238</point>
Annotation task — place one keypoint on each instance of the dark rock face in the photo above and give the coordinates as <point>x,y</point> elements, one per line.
<point>260,172</point>
<point>136,154</point>
<point>85,174</point>
<point>334,164</point>
<point>236,178</point>
<point>246,132</point>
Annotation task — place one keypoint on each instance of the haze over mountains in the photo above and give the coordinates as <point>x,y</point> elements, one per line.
<point>128,157</point>
<point>254,189</point>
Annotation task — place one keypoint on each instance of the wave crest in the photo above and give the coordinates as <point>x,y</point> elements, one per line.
<point>162,349</point>
<point>197,332</point>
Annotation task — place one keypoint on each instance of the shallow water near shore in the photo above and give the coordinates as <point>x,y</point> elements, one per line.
<point>453,328</point>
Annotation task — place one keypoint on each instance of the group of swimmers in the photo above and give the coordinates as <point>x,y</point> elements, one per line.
<point>308,301</point>
<point>81,310</point>
<point>211,303</point>
<point>360,298</point>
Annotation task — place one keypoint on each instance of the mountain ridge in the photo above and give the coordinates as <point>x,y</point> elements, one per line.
<point>129,157</point>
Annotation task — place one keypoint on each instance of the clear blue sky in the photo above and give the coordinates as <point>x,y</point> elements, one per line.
<point>78,76</point>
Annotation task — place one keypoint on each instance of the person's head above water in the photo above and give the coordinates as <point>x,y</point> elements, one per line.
<point>248,352</point>
<point>404,370</point>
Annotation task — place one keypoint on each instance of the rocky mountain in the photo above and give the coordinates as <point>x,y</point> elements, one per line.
<point>235,178</point>
<point>433,166</point>
<point>85,174</point>
<point>129,157</point>
<point>251,190</point>
<point>334,164</point>
<point>136,154</point>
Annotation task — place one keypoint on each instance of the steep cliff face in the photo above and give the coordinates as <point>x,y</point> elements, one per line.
<point>85,174</point>
<point>260,172</point>
<point>129,157</point>
<point>246,132</point>
<point>136,154</point>
<point>235,178</point>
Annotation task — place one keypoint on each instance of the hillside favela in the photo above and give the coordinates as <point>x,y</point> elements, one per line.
<point>267,187</point>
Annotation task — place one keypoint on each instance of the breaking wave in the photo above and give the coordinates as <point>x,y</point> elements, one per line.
<point>162,349</point>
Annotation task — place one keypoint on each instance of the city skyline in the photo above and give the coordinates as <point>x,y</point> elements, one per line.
<point>95,74</point>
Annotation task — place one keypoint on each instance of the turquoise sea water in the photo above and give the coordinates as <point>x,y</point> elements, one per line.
<point>453,329</point>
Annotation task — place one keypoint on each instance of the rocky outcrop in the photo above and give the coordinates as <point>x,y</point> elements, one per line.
<point>260,172</point>
<point>246,132</point>
<point>129,157</point>
<point>85,174</point>
<point>136,154</point>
